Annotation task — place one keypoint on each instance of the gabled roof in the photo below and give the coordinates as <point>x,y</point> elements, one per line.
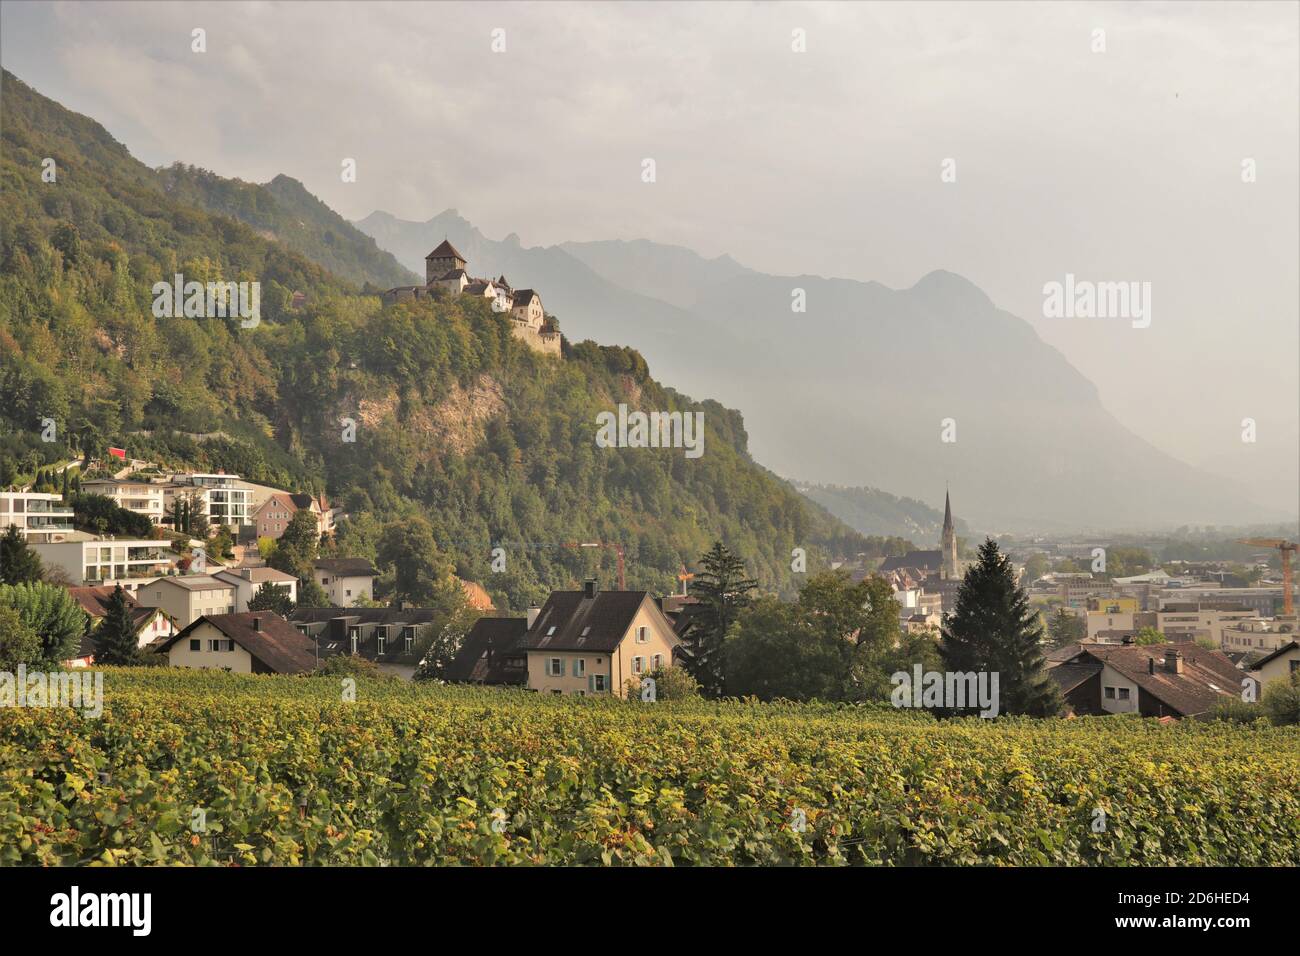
<point>523,296</point>
<point>1207,675</point>
<point>1070,676</point>
<point>347,567</point>
<point>924,560</point>
<point>94,600</point>
<point>452,274</point>
<point>490,653</point>
<point>275,643</point>
<point>570,621</point>
<point>1281,651</point>
<point>445,250</point>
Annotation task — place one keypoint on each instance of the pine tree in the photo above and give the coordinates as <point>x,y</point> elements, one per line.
<point>272,597</point>
<point>723,590</point>
<point>115,642</point>
<point>18,562</point>
<point>994,630</point>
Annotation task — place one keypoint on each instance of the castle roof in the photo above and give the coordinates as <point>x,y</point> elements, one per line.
<point>524,296</point>
<point>453,274</point>
<point>445,251</point>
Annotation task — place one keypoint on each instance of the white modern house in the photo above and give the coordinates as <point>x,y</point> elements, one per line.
<point>41,517</point>
<point>142,497</point>
<point>93,561</point>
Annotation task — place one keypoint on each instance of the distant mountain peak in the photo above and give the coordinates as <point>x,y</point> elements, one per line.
<point>950,287</point>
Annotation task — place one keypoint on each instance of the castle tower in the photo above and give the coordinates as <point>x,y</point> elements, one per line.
<point>948,543</point>
<point>442,260</point>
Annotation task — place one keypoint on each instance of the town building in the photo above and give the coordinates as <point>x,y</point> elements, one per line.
<point>345,580</point>
<point>41,517</point>
<point>140,497</point>
<point>1279,665</point>
<point>1154,680</point>
<point>88,560</point>
<point>396,639</point>
<point>594,642</point>
<point>257,643</point>
<point>151,624</point>
<point>490,654</point>
<point>248,581</point>
<point>187,597</point>
<point>271,518</point>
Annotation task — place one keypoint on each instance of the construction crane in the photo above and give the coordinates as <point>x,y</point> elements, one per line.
<point>616,548</point>
<point>1286,547</point>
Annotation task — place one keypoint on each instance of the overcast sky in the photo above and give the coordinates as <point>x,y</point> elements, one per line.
<point>1119,165</point>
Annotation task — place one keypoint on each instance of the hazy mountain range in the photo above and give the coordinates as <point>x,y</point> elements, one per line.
<point>855,390</point>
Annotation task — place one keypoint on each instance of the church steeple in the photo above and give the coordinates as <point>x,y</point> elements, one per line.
<point>948,543</point>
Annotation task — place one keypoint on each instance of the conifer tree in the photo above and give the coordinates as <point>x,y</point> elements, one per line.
<point>115,642</point>
<point>724,590</point>
<point>18,562</point>
<point>993,629</point>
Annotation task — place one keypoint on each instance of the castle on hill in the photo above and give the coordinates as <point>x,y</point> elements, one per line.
<point>444,269</point>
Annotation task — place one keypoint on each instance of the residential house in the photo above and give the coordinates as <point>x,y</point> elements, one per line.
<point>1154,680</point>
<point>344,580</point>
<point>593,641</point>
<point>256,643</point>
<point>88,560</point>
<point>41,517</point>
<point>396,639</point>
<point>272,517</point>
<point>1281,664</point>
<point>248,581</point>
<point>490,653</point>
<point>187,597</point>
<point>141,497</point>
<point>151,625</point>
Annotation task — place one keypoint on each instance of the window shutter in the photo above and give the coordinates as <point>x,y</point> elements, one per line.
<point>591,683</point>
<point>561,666</point>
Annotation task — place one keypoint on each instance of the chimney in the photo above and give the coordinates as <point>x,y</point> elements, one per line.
<point>247,574</point>
<point>1151,665</point>
<point>256,623</point>
<point>533,611</point>
<point>589,589</point>
<point>1173,661</point>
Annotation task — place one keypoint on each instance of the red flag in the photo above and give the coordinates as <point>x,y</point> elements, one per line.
<point>117,452</point>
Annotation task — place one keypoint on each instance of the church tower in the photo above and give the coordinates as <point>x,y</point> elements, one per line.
<point>948,543</point>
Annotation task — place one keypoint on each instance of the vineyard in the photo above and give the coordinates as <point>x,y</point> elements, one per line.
<point>204,768</point>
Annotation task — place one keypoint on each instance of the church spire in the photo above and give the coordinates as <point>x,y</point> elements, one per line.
<point>948,542</point>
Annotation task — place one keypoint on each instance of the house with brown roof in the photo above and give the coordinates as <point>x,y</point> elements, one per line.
<point>151,624</point>
<point>396,639</point>
<point>594,642</point>
<point>249,643</point>
<point>490,653</point>
<point>187,597</point>
<point>1154,680</point>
